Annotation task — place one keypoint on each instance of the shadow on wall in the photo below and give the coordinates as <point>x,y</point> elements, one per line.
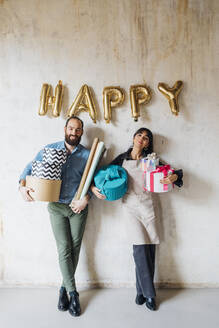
<point>195,189</point>
<point>109,155</point>
<point>106,211</point>
<point>165,252</point>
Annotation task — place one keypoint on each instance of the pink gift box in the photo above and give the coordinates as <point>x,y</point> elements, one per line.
<point>152,179</point>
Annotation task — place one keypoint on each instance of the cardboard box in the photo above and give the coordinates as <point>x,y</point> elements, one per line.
<point>44,190</point>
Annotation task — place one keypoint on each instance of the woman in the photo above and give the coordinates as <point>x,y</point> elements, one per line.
<point>139,213</point>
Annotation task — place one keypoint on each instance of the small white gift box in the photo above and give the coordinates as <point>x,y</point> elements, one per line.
<point>150,162</point>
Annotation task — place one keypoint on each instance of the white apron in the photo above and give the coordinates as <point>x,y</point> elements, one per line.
<point>141,223</point>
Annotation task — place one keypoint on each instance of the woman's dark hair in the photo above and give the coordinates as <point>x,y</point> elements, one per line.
<point>149,148</point>
<point>75,118</point>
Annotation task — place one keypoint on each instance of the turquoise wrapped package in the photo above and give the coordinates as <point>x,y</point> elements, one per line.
<point>112,180</point>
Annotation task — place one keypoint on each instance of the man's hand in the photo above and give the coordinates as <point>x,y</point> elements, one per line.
<point>169,179</point>
<point>25,193</point>
<point>97,193</point>
<point>78,205</point>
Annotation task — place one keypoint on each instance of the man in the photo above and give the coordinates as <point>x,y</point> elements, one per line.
<point>68,223</point>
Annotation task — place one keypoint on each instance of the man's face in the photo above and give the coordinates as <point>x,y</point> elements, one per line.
<point>73,132</point>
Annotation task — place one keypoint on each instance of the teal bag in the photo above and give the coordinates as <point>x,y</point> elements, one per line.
<point>112,180</point>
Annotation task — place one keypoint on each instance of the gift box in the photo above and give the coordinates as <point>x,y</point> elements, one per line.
<point>112,180</point>
<point>45,177</point>
<point>44,190</point>
<point>54,156</point>
<point>152,179</point>
<point>46,170</point>
<point>150,162</point>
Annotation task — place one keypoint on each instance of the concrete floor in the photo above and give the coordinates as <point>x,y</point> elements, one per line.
<point>109,308</point>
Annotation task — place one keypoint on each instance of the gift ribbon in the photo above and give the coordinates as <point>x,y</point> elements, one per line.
<point>163,169</point>
<point>112,173</point>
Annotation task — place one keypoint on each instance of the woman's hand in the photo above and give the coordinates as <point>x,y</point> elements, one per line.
<point>78,205</point>
<point>169,179</point>
<point>97,193</point>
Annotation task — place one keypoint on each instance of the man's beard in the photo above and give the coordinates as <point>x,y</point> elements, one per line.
<point>72,142</point>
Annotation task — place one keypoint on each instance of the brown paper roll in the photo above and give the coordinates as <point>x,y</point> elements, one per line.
<point>87,168</point>
<point>44,190</point>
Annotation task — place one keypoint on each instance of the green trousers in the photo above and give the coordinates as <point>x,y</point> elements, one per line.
<point>68,228</point>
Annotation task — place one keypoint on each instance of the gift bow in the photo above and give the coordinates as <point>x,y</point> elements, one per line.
<point>112,173</point>
<point>165,169</point>
<point>152,156</point>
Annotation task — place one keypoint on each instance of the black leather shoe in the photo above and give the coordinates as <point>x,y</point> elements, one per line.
<point>63,303</point>
<point>140,299</point>
<point>150,303</point>
<point>74,306</point>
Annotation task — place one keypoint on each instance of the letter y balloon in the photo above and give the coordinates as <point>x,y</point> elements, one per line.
<point>172,94</point>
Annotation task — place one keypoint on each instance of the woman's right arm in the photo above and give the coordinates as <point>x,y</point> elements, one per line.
<point>96,192</point>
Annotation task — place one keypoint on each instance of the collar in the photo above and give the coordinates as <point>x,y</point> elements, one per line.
<point>78,147</point>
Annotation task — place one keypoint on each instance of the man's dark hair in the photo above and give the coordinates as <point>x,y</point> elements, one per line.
<point>75,118</point>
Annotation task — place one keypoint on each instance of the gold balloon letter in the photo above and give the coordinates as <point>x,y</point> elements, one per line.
<point>172,94</point>
<point>139,94</point>
<point>112,97</point>
<point>47,100</point>
<point>83,102</point>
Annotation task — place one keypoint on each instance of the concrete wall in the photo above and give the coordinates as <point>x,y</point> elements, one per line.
<point>104,43</point>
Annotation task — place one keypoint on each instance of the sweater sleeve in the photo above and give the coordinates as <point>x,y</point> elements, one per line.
<point>28,168</point>
<point>118,160</point>
<point>179,181</point>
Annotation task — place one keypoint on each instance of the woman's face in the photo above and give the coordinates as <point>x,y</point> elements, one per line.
<point>141,140</point>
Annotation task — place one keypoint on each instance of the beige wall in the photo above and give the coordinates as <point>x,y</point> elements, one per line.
<point>104,43</point>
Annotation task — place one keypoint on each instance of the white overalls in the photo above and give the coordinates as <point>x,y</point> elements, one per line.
<point>141,223</point>
<point>141,228</point>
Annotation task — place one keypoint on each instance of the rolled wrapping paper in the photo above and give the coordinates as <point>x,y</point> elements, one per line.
<point>87,168</point>
<point>54,156</point>
<point>99,150</point>
<point>46,170</point>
